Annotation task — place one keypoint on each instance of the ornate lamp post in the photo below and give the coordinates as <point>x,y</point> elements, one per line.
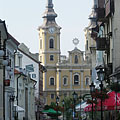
<point>101,74</point>
<point>57,101</point>
<point>74,100</point>
<point>80,98</point>
<point>92,89</point>
<point>63,102</point>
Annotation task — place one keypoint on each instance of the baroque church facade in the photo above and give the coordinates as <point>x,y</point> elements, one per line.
<point>64,75</point>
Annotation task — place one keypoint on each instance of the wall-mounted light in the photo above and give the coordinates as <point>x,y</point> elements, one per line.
<point>1,53</point>
<point>5,62</point>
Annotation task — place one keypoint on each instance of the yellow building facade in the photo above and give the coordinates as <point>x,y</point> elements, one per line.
<point>64,75</point>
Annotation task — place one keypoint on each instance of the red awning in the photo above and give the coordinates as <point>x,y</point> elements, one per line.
<point>108,104</point>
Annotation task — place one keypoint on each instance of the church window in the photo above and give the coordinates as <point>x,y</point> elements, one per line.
<point>76,79</point>
<point>87,81</point>
<point>51,43</point>
<point>40,43</point>
<point>52,82</point>
<point>76,59</point>
<point>51,57</point>
<point>52,96</point>
<point>65,81</point>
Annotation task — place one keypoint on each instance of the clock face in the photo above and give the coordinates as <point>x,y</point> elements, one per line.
<point>51,30</point>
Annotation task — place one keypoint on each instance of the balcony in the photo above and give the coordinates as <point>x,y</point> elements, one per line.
<point>100,14</point>
<point>101,43</point>
<point>94,32</point>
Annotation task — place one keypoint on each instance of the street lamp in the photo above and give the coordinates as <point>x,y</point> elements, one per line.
<point>101,75</point>
<point>92,89</point>
<point>63,102</point>
<point>57,101</point>
<point>80,98</point>
<point>74,100</point>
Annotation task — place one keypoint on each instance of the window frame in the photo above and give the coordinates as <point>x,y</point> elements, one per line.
<point>53,96</point>
<point>50,58</point>
<point>78,79</point>
<point>66,80</point>
<point>75,59</point>
<point>51,46</point>
<point>88,81</point>
<point>50,81</point>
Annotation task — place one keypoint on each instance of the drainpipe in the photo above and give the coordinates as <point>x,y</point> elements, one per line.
<point>17,92</point>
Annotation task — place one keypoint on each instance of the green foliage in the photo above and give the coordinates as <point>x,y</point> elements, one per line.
<point>68,108</point>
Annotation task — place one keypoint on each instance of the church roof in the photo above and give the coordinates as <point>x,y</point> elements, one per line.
<point>76,50</point>
<point>49,16</point>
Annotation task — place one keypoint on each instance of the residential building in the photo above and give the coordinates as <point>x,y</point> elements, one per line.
<point>64,75</point>
<point>3,38</point>
<point>29,64</point>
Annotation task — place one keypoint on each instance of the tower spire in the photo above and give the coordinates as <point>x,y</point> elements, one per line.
<point>49,14</point>
<point>49,4</point>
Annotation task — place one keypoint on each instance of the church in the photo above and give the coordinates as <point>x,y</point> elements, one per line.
<point>64,74</point>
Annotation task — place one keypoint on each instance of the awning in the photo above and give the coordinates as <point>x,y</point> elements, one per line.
<point>81,106</point>
<point>108,104</point>
<point>18,108</point>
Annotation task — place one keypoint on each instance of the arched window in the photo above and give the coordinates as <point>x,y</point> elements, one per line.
<point>52,96</point>
<point>76,79</point>
<point>51,57</point>
<point>52,82</point>
<point>76,59</point>
<point>65,80</point>
<point>51,43</point>
<point>87,80</point>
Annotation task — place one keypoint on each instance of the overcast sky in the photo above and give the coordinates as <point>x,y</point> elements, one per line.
<point>24,16</point>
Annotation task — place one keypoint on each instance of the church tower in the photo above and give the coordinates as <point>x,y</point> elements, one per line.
<point>49,37</point>
<point>49,47</point>
<point>64,74</point>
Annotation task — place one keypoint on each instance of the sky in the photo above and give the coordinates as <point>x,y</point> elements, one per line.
<point>23,17</point>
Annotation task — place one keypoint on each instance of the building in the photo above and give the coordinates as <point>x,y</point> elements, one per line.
<point>90,45</point>
<point>27,81</point>
<point>64,75</point>
<point>104,35</point>
<point>3,38</point>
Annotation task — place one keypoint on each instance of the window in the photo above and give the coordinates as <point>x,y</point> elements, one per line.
<point>64,80</point>
<point>51,57</point>
<point>33,75</point>
<point>51,81</point>
<point>40,43</point>
<point>52,96</point>
<point>76,59</point>
<point>87,81</point>
<point>76,79</point>
<point>51,43</point>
